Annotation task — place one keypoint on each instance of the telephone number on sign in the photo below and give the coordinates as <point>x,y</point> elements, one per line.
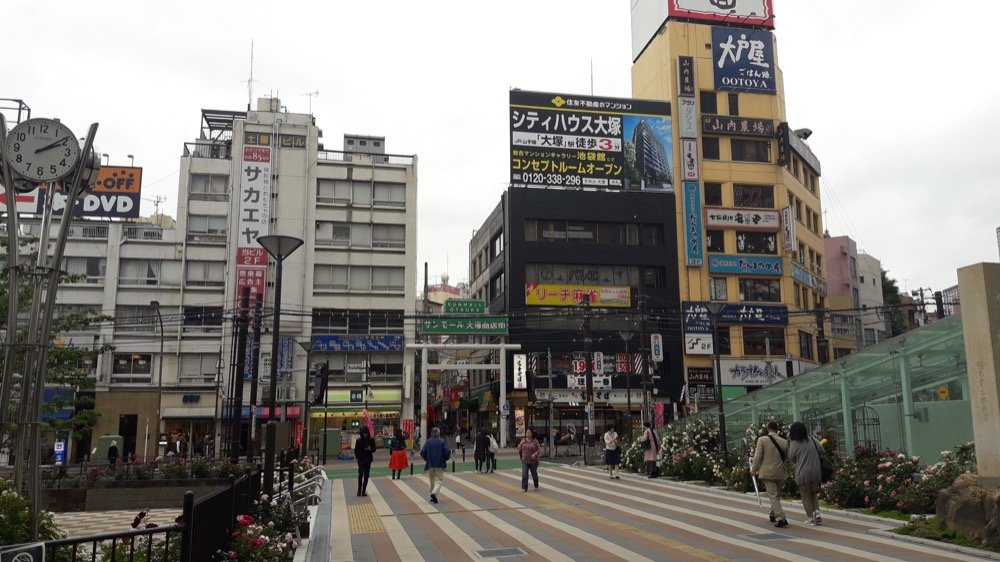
<point>551,179</point>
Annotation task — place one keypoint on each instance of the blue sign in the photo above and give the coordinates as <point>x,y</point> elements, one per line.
<point>743,60</point>
<point>694,245</point>
<point>745,265</point>
<point>62,394</point>
<point>286,356</point>
<point>389,342</point>
<point>249,358</point>
<point>698,321</point>
<point>59,449</point>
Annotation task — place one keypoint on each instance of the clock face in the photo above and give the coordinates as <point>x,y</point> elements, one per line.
<point>42,150</point>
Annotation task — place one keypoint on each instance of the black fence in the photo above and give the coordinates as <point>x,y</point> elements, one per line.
<point>203,529</point>
<point>214,516</point>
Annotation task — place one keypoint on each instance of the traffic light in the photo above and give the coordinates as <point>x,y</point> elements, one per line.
<point>322,382</point>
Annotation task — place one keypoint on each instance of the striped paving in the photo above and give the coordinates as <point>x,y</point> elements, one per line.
<point>578,514</point>
<point>84,523</point>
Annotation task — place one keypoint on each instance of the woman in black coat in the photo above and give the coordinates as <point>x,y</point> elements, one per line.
<point>364,452</point>
<point>481,453</point>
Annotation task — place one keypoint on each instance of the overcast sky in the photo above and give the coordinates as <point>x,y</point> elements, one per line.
<point>901,97</point>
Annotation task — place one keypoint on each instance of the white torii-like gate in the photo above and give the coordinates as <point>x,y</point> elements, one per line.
<point>502,365</point>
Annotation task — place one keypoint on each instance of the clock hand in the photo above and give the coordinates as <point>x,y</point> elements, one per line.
<point>50,146</point>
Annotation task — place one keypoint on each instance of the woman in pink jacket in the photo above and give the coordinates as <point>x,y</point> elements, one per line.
<point>649,436</point>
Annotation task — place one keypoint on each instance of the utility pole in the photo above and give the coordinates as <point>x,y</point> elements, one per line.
<point>643,341</point>
<point>253,347</point>
<point>236,412</point>
<point>628,380</point>
<point>821,344</point>
<point>552,447</point>
<point>588,358</point>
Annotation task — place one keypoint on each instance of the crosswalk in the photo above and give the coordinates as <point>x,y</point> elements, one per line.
<point>578,514</point>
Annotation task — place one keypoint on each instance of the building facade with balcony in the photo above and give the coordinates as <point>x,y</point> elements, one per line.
<point>173,293</point>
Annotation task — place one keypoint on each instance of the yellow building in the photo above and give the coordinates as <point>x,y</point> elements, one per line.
<point>749,212</point>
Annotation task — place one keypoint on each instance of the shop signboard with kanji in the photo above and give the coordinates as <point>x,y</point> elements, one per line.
<point>476,325</point>
<point>571,141</point>
<point>543,294</point>
<point>254,218</point>
<point>743,60</point>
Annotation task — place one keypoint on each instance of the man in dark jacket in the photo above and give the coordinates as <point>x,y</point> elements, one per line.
<point>364,452</point>
<point>436,452</point>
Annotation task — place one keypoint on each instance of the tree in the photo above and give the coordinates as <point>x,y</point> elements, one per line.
<point>68,367</point>
<point>893,305</point>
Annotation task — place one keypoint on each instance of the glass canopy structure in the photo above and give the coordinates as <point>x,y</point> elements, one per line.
<point>909,394</point>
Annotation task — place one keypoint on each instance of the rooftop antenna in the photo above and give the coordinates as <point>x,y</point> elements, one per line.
<point>156,203</point>
<point>311,95</point>
<point>250,81</point>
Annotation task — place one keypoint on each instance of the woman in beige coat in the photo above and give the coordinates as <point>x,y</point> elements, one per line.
<point>769,463</point>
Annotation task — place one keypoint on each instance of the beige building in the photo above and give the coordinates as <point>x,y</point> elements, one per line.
<point>750,189</point>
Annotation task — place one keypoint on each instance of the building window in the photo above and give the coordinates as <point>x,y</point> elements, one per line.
<point>361,194</point>
<point>388,279</point>
<point>760,290</point>
<point>330,233</point>
<point>330,277</point>
<point>530,232</point>
<point>203,318</point>
<point>734,104</point>
<point>723,340</point>
<point>88,271</point>
<point>710,148</point>
<point>753,196</point>
<point>388,236</point>
<point>206,274</point>
<point>752,242</point>
<point>713,194</point>
<point>715,241</point>
<point>132,368</point>
<point>717,289</point>
<point>496,286</point>
<point>496,244</point>
<point>751,150</point>
<point>758,341</point>
<point>149,273</point>
<point>709,102</point>
<point>207,225</point>
<point>805,345</point>
<point>390,194</point>
<point>198,368</point>
<point>208,186</point>
<point>136,319</point>
<point>333,191</point>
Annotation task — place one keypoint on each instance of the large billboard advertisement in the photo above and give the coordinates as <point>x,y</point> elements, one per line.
<point>743,60</point>
<point>254,219</point>
<point>740,12</point>
<point>569,141</point>
<point>116,195</point>
<point>539,294</point>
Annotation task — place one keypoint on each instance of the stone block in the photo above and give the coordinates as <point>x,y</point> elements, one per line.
<point>971,510</point>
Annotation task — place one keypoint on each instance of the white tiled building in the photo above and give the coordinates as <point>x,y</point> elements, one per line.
<point>346,292</point>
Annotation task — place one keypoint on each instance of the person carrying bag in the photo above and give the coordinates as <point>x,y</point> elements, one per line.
<point>769,464</point>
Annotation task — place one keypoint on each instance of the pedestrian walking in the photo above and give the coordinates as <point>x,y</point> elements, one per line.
<point>364,453</point>
<point>612,452</point>
<point>480,453</point>
<point>491,452</point>
<point>436,454</point>
<point>769,457</point>
<point>113,453</point>
<point>528,450</point>
<point>651,444</point>
<point>397,455</point>
<point>804,453</point>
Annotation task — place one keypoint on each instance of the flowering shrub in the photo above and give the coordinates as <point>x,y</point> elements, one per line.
<point>15,519</point>
<point>304,464</point>
<point>895,476</point>
<point>632,457</point>
<point>886,480</point>
<point>853,480</point>
<point>279,513</point>
<point>691,451</point>
<point>252,541</point>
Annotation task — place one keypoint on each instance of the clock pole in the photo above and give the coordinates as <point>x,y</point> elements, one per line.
<point>81,171</point>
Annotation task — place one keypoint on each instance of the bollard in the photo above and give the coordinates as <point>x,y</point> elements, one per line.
<point>452,466</point>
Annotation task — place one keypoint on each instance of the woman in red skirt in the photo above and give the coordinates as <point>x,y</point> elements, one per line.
<point>397,459</point>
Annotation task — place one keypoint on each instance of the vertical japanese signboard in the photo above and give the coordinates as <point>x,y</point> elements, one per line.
<point>743,60</point>
<point>564,140</point>
<point>520,374</point>
<point>694,250</point>
<point>254,215</point>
